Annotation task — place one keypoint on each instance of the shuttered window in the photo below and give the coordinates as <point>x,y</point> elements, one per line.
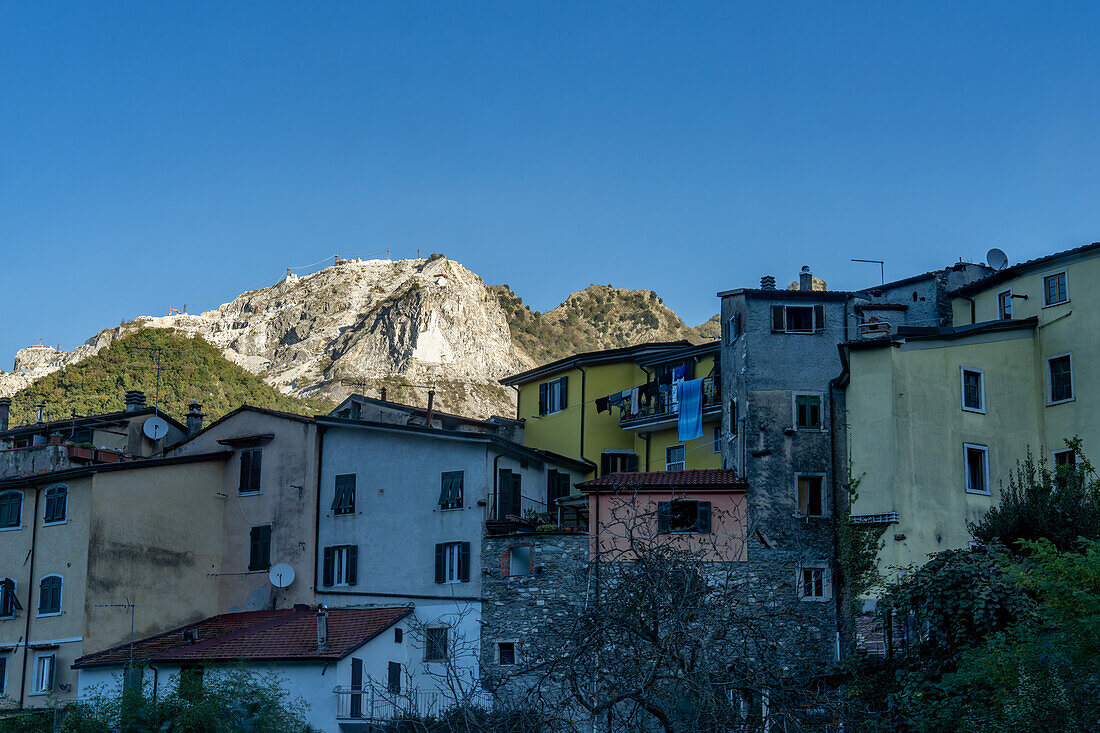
<point>343,500</point>
<point>810,496</point>
<point>259,553</point>
<point>452,562</point>
<point>807,410</point>
<point>49,595</point>
<point>393,678</point>
<point>11,508</point>
<point>798,318</point>
<point>508,490</point>
<point>340,565</point>
<point>450,495</point>
<point>251,461</point>
<point>553,395</point>
<point>56,500</point>
<point>557,487</point>
<point>9,601</point>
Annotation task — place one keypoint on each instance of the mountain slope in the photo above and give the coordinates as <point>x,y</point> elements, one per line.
<point>190,369</point>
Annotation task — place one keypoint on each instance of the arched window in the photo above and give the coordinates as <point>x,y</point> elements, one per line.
<point>56,501</point>
<point>49,595</point>
<point>11,508</point>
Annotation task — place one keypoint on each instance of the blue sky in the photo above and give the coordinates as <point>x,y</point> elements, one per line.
<point>157,154</point>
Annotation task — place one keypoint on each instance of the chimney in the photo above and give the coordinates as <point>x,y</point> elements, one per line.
<point>135,400</point>
<point>431,409</point>
<point>382,394</point>
<point>194,418</point>
<point>322,628</point>
<point>41,411</point>
<point>805,279</point>
<point>5,412</point>
<point>767,282</point>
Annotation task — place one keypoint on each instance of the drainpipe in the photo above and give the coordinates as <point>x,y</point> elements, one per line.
<point>317,514</point>
<point>584,377</point>
<point>30,599</point>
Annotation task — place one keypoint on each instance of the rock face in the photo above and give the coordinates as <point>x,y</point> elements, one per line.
<point>406,325</point>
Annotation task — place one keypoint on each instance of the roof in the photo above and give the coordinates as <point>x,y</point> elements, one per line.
<point>595,357</point>
<point>35,479</point>
<point>1010,272</point>
<point>284,635</point>
<point>244,408</point>
<point>423,411</point>
<point>927,333</point>
<point>81,421</point>
<point>713,478</point>
<point>782,294</point>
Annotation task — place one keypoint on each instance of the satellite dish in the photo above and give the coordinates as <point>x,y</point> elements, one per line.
<point>155,428</point>
<point>996,259</point>
<point>281,575</point>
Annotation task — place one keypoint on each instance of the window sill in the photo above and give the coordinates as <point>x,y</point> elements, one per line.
<point>814,599</point>
<point>1061,402</point>
<point>47,615</point>
<point>39,693</point>
<point>451,508</point>
<point>1060,302</point>
<point>250,493</point>
<point>809,430</point>
<point>10,529</point>
<point>979,493</point>
<point>54,524</point>
<point>975,410</point>
<point>343,514</point>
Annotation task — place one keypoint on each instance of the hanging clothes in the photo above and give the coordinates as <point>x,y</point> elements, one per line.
<point>635,407</point>
<point>690,397</point>
<point>603,404</point>
<point>679,372</point>
<point>615,399</point>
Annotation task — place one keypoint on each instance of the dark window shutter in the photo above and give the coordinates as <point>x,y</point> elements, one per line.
<point>393,682</point>
<point>737,324</point>
<point>326,574</point>
<point>464,562</point>
<point>564,402</point>
<point>517,504</point>
<point>552,489</point>
<point>605,464</point>
<point>704,517</point>
<point>778,323</point>
<point>632,462</point>
<point>664,515</point>
<point>352,572</point>
<point>246,470</point>
<point>819,317</point>
<point>542,399</point>
<point>257,462</point>
<point>439,563</point>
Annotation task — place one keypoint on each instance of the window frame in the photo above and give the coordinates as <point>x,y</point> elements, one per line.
<point>1004,305</point>
<point>984,449</point>
<point>452,561</point>
<point>344,557</point>
<point>553,400</point>
<point>820,411</point>
<point>981,388</point>
<point>252,452</point>
<point>346,509</point>
<point>1065,279</point>
<point>1061,451</point>
<point>824,494</point>
<point>253,566</point>
<point>15,605</point>
<point>717,439</point>
<point>1050,380</point>
<point>454,504</point>
<point>665,515</point>
<point>515,652</point>
<point>800,583</point>
<point>445,645</point>
<point>38,688</point>
<point>64,488</point>
<point>682,462</point>
<point>817,318</point>
<point>19,515</point>
<point>60,595</point>
<point>512,560</point>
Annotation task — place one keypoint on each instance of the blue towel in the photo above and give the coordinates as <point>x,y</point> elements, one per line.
<point>690,394</point>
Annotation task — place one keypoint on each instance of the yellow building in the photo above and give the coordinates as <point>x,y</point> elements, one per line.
<point>562,406</point>
<point>938,417</point>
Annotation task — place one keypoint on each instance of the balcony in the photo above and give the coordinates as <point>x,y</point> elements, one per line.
<point>663,411</point>
<point>369,705</point>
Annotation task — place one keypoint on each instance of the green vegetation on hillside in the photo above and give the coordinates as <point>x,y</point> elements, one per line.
<point>190,369</point>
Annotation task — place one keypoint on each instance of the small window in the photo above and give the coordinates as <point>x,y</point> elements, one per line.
<point>56,500</point>
<point>251,462</point>
<point>1065,459</point>
<point>49,596</point>
<point>811,584</point>
<point>557,487</point>
<point>436,643</point>
<point>674,458</point>
<point>617,462</point>
<point>340,565</point>
<point>973,390</point>
<point>44,672</point>
<point>811,496</point>
<point>82,435</point>
<point>519,560</point>
<point>398,635</point>
<point>683,516</point>
<point>1054,289</point>
<point>800,319</point>
<point>734,328</point>
<point>452,562</point>
<point>977,468</point>
<point>807,411</point>
<point>393,678</point>
<point>1004,305</point>
<point>9,600</point>
<point>450,495</point>
<point>717,439</point>
<point>1061,378</point>
<point>343,500</point>
<point>506,652</point>
<point>553,396</point>
<point>11,508</point>
<point>259,553</point>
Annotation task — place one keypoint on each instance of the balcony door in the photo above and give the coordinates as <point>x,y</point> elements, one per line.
<point>357,687</point>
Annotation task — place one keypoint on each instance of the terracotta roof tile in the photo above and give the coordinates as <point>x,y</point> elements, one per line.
<point>716,478</point>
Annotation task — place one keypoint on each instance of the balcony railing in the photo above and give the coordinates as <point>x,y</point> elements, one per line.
<point>370,704</point>
<point>665,407</point>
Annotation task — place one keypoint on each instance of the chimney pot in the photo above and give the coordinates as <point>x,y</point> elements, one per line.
<point>41,411</point>
<point>431,407</point>
<point>805,279</point>
<point>382,394</point>
<point>194,418</point>
<point>767,282</point>
<point>135,400</point>
<point>322,628</point>
<point>5,412</point>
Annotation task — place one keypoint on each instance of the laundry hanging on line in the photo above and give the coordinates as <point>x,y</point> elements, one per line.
<point>603,404</point>
<point>690,396</point>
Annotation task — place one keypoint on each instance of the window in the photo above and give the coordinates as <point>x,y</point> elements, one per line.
<point>251,460</point>
<point>43,672</point>
<point>508,491</point>
<point>1004,305</point>
<point>393,678</point>
<point>56,497</point>
<point>977,468</point>
<point>1065,459</point>
<point>450,495</point>
<point>734,328</point>
<point>398,635</point>
<point>190,684</point>
<point>674,458</point>
<point>452,562</point>
<point>1061,378</point>
<point>683,516</point>
<point>343,500</point>
<point>519,560</point>
<point>82,435</point>
<point>812,584</point>
<point>557,487</point>
<point>973,390</point>
<point>1054,289</point>
<point>506,652</point>
<point>341,565</point>
<point>49,596</point>
<point>798,318</point>
<point>259,552</point>
<point>553,395</point>
<point>617,462</point>
<point>11,508</point>
<point>807,411</point>
<point>436,643</point>
<point>717,439</point>
<point>9,601</point>
<point>3,675</point>
<point>811,496</point>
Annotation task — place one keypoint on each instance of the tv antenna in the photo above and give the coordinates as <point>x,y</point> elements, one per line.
<point>881,268</point>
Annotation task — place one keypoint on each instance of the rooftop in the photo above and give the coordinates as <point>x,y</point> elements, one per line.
<point>713,478</point>
<point>83,421</point>
<point>1010,272</point>
<point>596,357</point>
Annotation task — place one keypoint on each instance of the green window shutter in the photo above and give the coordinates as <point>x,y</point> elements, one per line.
<point>703,521</point>
<point>632,462</point>
<point>564,402</point>
<point>819,317</point>
<point>464,562</point>
<point>326,574</point>
<point>439,563</point>
<point>542,398</point>
<point>778,319</point>
<point>664,515</point>
<point>257,462</point>
<point>352,572</point>
<point>246,470</point>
